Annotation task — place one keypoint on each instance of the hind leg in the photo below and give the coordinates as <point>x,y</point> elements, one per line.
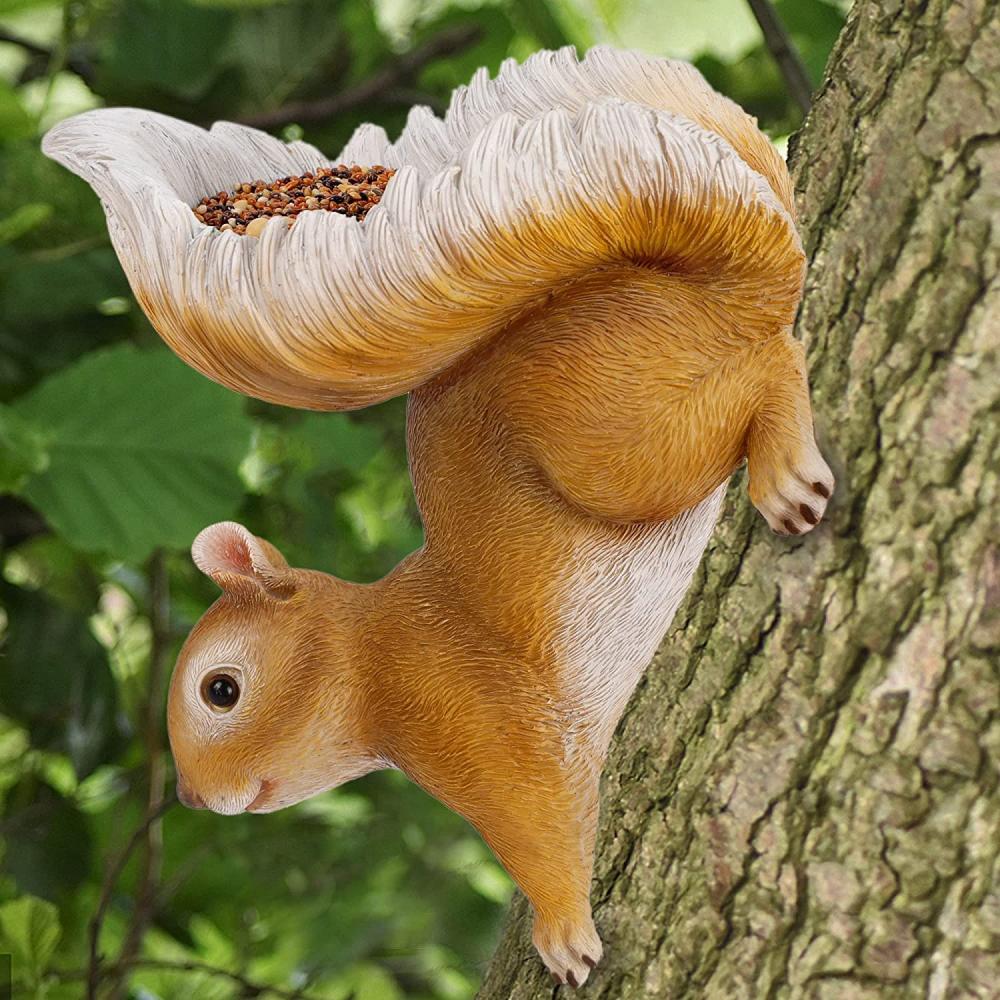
<point>790,483</point>
<point>627,438</point>
<point>637,405</point>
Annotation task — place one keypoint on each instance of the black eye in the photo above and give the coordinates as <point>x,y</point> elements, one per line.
<point>222,691</point>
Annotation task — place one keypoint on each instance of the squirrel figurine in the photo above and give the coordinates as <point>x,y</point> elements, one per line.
<point>585,278</point>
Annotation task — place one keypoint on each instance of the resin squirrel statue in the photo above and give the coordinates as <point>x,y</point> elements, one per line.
<point>585,277</point>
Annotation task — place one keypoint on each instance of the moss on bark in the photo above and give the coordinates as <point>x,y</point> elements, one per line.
<point>802,799</point>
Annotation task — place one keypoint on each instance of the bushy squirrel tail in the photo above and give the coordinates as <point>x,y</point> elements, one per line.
<point>556,166</point>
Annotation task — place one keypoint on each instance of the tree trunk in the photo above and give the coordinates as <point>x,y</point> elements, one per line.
<point>802,799</point>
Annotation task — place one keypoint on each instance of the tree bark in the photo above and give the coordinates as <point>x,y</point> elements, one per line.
<point>802,799</point>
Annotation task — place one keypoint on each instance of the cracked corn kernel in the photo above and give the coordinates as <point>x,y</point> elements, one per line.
<point>256,226</point>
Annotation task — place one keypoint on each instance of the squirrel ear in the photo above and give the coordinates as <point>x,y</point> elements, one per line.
<point>240,562</point>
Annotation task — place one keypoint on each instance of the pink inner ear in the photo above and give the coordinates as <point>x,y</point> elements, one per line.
<point>230,555</point>
<point>224,548</point>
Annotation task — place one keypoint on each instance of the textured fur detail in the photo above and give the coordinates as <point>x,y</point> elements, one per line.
<point>616,601</point>
<point>536,177</point>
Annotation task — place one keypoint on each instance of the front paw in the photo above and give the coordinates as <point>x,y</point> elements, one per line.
<point>792,496</point>
<point>569,947</point>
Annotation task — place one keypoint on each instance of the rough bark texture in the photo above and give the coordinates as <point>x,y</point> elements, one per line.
<point>802,800</point>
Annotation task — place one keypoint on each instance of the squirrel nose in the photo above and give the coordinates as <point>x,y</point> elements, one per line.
<point>188,797</point>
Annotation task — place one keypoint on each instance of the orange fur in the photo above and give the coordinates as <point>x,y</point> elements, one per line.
<point>612,410</point>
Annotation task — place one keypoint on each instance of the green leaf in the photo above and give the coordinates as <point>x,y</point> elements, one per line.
<point>540,19</point>
<point>47,839</point>
<point>212,944</point>
<point>44,290</point>
<point>57,682</point>
<point>49,563</point>
<point>368,46</point>
<point>8,7</point>
<point>23,219</point>
<point>241,4</point>
<point>15,122</point>
<point>168,45</point>
<point>29,932</point>
<point>367,981</point>
<point>77,221</point>
<point>143,451</point>
<point>494,45</point>
<point>278,48</point>
<point>332,442</point>
<point>682,31</point>
<point>755,83</point>
<point>814,26</point>
<point>22,451</point>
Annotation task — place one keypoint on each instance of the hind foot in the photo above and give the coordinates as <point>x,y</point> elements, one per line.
<point>569,947</point>
<point>792,494</point>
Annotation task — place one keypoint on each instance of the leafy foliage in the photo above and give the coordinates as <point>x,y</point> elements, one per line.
<point>113,455</point>
<point>57,681</point>
<point>140,451</point>
<point>29,933</point>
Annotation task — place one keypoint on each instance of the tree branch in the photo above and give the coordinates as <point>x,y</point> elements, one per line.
<point>77,64</point>
<point>250,987</point>
<point>145,898</point>
<point>19,521</point>
<point>783,51</point>
<point>407,97</point>
<point>395,76</point>
<point>32,48</point>
<point>107,889</point>
<point>149,833</point>
<point>253,989</point>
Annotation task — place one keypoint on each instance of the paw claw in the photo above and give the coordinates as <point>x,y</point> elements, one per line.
<point>570,948</point>
<point>792,496</point>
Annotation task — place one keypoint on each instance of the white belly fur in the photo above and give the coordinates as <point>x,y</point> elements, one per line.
<point>618,605</point>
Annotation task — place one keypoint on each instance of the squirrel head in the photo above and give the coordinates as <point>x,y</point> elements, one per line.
<point>265,705</point>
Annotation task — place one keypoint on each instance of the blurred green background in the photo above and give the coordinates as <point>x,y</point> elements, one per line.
<point>113,455</point>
